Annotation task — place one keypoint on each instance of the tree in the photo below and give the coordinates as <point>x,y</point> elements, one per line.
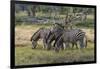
<point>31,9</point>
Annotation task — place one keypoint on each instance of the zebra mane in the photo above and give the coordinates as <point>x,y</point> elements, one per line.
<point>36,33</point>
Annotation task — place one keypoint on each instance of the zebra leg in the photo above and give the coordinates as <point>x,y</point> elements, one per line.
<point>49,41</point>
<point>85,40</point>
<point>66,45</point>
<point>72,45</point>
<point>57,47</point>
<point>62,47</point>
<point>44,42</point>
<point>81,42</point>
<point>76,45</point>
<point>49,45</point>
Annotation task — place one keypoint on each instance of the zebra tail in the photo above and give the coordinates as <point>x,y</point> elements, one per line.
<point>85,41</point>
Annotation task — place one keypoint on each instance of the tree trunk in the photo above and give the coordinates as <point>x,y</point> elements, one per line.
<point>31,10</point>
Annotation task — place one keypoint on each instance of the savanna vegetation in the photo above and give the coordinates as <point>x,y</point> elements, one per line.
<point>29,18</point>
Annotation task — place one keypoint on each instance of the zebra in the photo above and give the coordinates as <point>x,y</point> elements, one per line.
<point>71,36</point>
<point>41,33</point>
<point>54,34</point>
<point>48,35</point>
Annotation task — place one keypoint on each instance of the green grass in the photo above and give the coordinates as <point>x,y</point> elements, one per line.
<point>26,55</point>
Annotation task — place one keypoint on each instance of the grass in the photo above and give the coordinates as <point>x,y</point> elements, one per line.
<point>25,55</point>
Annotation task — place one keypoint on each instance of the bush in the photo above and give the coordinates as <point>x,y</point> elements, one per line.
<point>89,23</point>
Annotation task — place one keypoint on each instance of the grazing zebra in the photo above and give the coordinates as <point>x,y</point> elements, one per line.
<point>41,33</point>
<point>71,36</point>
<point>54,34</point>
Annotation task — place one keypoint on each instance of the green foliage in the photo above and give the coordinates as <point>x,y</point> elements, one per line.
<point>33,9</point>
<point>32,14</point>
<point>89,24</point>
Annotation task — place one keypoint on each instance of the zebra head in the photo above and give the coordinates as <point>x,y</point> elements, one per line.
<point>34,44</point>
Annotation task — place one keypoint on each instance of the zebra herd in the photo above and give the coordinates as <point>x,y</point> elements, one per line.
<point>60,36</point>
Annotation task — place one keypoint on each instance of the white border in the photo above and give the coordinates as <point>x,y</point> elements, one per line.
<point>5,34</point>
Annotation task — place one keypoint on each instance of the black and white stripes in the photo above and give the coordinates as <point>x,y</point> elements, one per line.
<point>72,36</point>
